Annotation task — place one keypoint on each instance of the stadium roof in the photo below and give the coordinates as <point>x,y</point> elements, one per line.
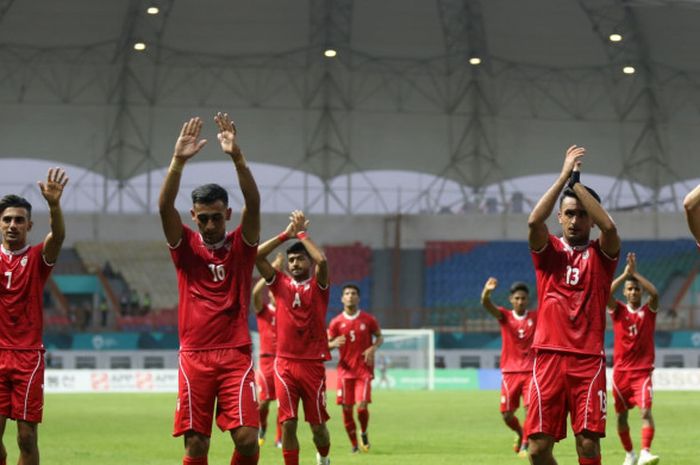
<point>400,94</point>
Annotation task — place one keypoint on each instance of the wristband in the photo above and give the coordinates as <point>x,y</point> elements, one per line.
<point>302,235</point>
<point>575,178</point>
<point>283,236</point>
<point>176,166</point>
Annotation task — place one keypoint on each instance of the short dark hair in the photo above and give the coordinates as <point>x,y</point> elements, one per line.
<point>568,192</point>
<point>633,279</point>
<point>298,247</point>
<point>351,286</point>
<point>209,193</point>
<point>519,286</point>
<point>12,200</point>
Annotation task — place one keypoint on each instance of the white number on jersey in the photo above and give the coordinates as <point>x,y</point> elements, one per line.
<point>255,394</point>
<point>352,335</point>
<point>9,278</point>
<point>218,272</point>
<point>633,329</point>
<point>603,396</point>
<point>521,333</point>
<point>572,275</point>
<point>297,300</point>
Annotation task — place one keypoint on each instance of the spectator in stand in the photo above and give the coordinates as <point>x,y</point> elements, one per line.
<point>104,312</point>
<point>146,303</point>
<point>135,301</point>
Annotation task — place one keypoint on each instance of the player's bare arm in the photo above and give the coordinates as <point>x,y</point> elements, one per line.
<point>691,203</point>
<point>301,224</point>
<point>250,217</point>
<point>609,239</point>
<point>336,342</point>
<point>538,232</point>
<point>188,144</point>
<point>52,190</point>
<point>259,287</point>
<point>617,282</point>
<point>486,302</point>
<point>368,354</point>
<point>644,282</point>
<point>265,268</point>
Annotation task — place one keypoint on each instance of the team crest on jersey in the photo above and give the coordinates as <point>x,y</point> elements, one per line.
<point>529,322</point>
<point>23,262</point>
<point>342,325</point>
<point>362,327</point>
<point>585,255</point>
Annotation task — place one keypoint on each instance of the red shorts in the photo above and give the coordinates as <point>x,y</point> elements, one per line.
<point>265,377</point>
<point>353,391</point>
<point>223,377</point>
<point>305,380</point>
<point>632,388</point>
<point>513,386</point>
<point>22,384</point>
<point>564,383</point>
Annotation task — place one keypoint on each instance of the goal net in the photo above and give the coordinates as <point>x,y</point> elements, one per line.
<point>406,360</point>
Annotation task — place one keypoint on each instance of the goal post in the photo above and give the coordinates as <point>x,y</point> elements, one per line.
<point>406,360</point>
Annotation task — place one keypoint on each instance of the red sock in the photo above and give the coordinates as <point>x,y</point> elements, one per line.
<point>323,450</point>
<point>363,416</point>
<point>194,460</point>
<point>626,439</point>
<point>240,459</point>
<point>514,424</point>
<point>291,457</point>
<point>587,461</point>
<point>647,436</point>
<point>349,423</point>
<point>263,417</point>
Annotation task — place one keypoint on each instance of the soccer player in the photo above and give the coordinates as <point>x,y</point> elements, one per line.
<point>517,330</point>
<point>265,315</point>
<point>633,325</point>
<point>302,345</point>
<point>24,270</point>
<point>573,285</point>
<point>214,273</point>
<point>357,336</point>
<point>692,211</point>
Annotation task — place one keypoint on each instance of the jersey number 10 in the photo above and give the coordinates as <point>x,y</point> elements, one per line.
<point>218,272</point>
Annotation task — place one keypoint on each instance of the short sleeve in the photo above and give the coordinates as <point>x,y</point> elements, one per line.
<point>541,258</point>
<point>180,250</point>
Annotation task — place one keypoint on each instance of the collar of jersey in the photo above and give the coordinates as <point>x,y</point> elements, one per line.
<point>351,317</point>
<point>301,283</point>
<point>10,253</point>
<point>631,310</point>
<point>216,246</point>
<point>573,247</point>
<point>517,317</point>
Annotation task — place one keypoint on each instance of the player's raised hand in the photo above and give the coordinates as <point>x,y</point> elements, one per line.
<point>52,189</point>
<point>299,221</point>
<point>632,263</point>
<point>573,159</point>
<point>490,285</point>
<point>227,133</point>
<point>188,143</point>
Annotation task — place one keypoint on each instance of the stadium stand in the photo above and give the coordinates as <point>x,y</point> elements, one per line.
<point>349,264</point>
<point>455,273</point>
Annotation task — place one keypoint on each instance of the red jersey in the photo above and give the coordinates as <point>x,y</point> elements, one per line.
<point>267,330</point>
<point>573,286</point>
<point>358,330</point>
<point>517,333</point>
<point>634,337</point>
<point>214,290</point>
<point>23,274</point>
<point>301,317</point>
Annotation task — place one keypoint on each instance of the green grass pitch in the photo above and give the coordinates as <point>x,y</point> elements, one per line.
<point>405,428</point>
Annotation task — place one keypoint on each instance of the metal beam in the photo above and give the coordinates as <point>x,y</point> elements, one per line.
<point>637,96</point>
